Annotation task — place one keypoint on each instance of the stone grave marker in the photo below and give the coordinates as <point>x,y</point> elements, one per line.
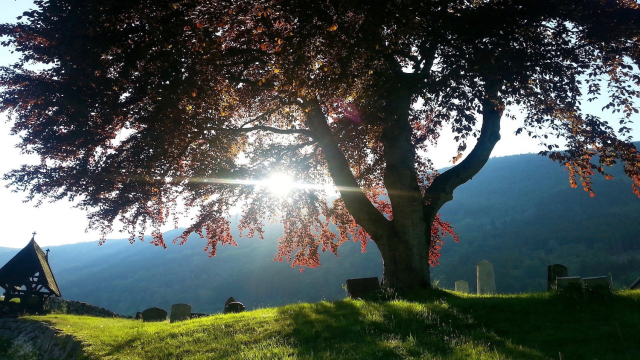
<point>234,307</point>
<point>229,301</point>
<point>486,278</point>
<point>138,315</point>
<point>570,285</point>
<point>180,312</point>
<point>635,285</point>
<point>462,286</point>
<point>555,271</point>
<point>197,315</point>
<point>154,314</point>
<point>358,288</point>
<point>597,285</point>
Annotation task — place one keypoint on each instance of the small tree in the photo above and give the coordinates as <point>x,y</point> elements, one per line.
<point>142,104</point>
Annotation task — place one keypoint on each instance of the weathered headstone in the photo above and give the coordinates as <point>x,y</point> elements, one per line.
<point>180,312</point>
<point>635,285</point>
<point>486,278</point>
<point>462,286</point>
<point>234,307</point>
<point>555,271</point>
<point>597,285</point>
<point>197,315</point>
<point>358,288</point>
<point>570,285</point>
<point>229,301</point>
<point>154,314</point>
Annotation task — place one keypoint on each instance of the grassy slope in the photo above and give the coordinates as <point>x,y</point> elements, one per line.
<point>439,326</point>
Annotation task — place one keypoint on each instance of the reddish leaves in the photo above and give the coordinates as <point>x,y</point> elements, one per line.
<point>439,229</point>
<point>143,103</point>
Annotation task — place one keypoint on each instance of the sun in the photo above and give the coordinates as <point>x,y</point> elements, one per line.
<point>279,184</point>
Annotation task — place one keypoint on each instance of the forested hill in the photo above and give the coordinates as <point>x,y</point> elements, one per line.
<point>126,277</point>
<point>519,213</point>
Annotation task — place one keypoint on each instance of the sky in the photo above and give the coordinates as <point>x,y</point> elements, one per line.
<point>59,223</point>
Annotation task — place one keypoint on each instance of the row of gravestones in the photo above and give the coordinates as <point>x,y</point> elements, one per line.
<point>486,280</point>
<point>182,312</point>
<point>557,280</point>
<point>358,288</point>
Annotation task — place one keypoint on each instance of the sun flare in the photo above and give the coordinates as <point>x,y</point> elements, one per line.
<point>279,184</point>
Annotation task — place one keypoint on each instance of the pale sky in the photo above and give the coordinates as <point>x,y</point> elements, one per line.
<point>59,223</point>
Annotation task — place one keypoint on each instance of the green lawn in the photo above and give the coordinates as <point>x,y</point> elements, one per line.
<point>441,325</point>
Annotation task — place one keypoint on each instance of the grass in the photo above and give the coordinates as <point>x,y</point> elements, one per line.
<point>14,300</point>
<point>438,325</point>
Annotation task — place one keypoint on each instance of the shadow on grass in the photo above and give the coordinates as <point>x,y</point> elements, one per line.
<point>432,325</point>
<point>395,329</point>
<point>586,327</point>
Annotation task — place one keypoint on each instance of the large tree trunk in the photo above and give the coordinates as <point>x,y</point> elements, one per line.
<point>405,263</point>
<point>404,249</point>
<point>405,240</point>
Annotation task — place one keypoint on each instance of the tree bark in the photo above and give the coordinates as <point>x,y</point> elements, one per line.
<point>406,255</point>
<point>405,262</point>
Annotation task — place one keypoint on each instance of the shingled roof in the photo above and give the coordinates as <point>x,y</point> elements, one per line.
<point>18,271</point>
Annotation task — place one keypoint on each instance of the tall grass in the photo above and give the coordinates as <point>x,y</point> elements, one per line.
<point>437,325</point>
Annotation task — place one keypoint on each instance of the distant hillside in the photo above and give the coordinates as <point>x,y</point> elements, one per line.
<point>519,213</point>
<point>127,278</point>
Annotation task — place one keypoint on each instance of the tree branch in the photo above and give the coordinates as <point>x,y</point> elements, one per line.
<point>362,210</point>
<point>427,58</point>
<point>441,190</point>
<point>259,117</point>
<point>276,131</point>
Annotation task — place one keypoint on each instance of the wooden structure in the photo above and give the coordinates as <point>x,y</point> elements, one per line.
<point>27,276</point>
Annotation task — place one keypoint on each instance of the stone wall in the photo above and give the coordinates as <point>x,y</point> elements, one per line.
<point>47,341</point>
<point>61,306</point>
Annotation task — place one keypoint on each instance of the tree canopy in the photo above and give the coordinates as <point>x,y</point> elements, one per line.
<point>140,106</point>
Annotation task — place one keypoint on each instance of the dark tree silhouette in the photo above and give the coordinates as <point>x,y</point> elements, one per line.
<point>140,105</point>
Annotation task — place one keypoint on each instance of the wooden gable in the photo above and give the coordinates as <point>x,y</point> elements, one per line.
<point>29,272</point>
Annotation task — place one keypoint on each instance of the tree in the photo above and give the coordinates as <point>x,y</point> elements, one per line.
<point>141,105</point>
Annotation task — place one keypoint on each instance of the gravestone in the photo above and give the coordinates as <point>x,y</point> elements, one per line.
<point>555,271</point>
<point>597,285</point>
<point>635,285</point>
<point>358,288</point>
<point>486,278</point>
<point>154,314</point>
<point>570,285</point>
<point>234,307</point>
<point>138,315</point>
<point>180,312</point>
<point>462,286</point>
<point>197,315</point>
<point>229,301</point>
